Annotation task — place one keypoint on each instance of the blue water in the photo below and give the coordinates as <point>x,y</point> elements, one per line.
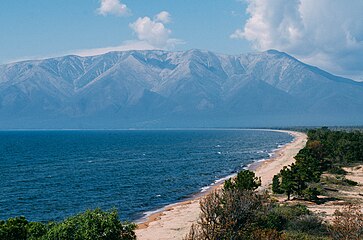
<point>50,175</point>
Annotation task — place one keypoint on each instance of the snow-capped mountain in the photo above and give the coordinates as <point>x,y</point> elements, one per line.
<point>174,89</point>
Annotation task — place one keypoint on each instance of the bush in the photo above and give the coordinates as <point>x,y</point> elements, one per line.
<point>347,224</point>
<point>227,215</point>
<point>266,234</point>
<point>94,224</point>
<point>13,229</point>
<point>337,170</point>
<point>309,224</point>
<point>350,182</point>
<point>340,180</point>
<point>36,230</point>
<point>301,236</point>
<point>279,216</point>
<point>245,180</point>
<point>311,192</point>
<point>233,214</point>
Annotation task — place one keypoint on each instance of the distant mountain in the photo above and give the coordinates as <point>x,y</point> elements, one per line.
<point>175,89</point>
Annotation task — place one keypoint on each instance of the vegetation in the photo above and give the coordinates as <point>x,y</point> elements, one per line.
<point>325,151</point>
<point>242,213</point>
<point>245,180</point>
<point>90,225</point>
<point>347,224</point>
<point>239,212</point>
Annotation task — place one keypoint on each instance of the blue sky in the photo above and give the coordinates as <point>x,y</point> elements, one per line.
<point>33,29</point>
<point>324,33</point>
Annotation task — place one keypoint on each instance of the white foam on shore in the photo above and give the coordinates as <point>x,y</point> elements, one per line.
<point>217,182</point>
<point>204,189</point>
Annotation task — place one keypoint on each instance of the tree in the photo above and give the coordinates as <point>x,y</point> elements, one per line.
<point>245,180</point>
<point>276,186</point>
<point>288,183</point>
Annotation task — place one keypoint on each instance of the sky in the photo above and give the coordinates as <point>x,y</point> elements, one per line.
<point>324,33</point>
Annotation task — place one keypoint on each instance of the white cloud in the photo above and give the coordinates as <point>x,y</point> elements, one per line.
<point>125,46</point>
<point>151,34</point>
<point>326,33</point>
<point>163,17</point>
<point>154,31</point>
<point>114,7</point>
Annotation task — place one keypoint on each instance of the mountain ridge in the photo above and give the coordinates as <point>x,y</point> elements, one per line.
<point>186,88</point>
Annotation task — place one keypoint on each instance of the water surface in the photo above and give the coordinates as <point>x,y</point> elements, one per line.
<point>50,175</point>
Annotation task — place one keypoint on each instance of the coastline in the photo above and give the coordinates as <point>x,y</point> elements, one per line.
<point>175,220</point>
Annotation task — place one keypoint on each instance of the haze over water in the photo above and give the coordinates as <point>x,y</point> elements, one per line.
<point>50,175</point>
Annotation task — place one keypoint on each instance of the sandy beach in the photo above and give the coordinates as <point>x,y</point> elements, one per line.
<point>175,220</point>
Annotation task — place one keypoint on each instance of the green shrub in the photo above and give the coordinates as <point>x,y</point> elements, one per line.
<point>91,225</point>
<point>96,224</point>
<point>340,180</point>
<point>309,224</point>
<point>36,230</point>
<point>245,180</point>
<point>350,182</point>
<point>301,236</point>
<point>279,216</point>
<point>13,229</point>
<point>311,192</point>
<point>337,170</point>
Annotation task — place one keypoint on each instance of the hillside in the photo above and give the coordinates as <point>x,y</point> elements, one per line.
<point>174,89</point>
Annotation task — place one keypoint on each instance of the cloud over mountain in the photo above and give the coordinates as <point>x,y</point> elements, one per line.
<point>327,33</point>
<point>154,30</point>
<point>151,34</point>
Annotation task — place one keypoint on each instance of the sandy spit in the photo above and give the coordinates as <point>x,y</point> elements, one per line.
<point>175,220</point>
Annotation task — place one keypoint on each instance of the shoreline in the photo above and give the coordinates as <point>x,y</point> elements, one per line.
<point>173,221</point>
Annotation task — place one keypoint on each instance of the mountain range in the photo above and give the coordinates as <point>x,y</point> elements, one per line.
<point>195,88</point>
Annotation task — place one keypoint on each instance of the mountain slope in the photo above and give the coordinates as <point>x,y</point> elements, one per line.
<point>172,89</point>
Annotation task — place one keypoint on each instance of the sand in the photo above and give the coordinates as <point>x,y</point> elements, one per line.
<point>175,220</point>
<point>344,196</point>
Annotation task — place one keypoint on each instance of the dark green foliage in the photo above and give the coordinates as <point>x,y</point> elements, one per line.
<point>309,224</point>
<point>288,183</point>
<point>14,229</point>
<point>279,216</point>
<point>337,170</point>
<point>89,225</point>
<point>276,186</point>
<point>36,230</point>
<point>339,180</point>
<point>245,180</point>
<point>325,151</point>
<point>350,182</point>
<point>339,147</point>
<point>311,192</point>
<point>94,224</point>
